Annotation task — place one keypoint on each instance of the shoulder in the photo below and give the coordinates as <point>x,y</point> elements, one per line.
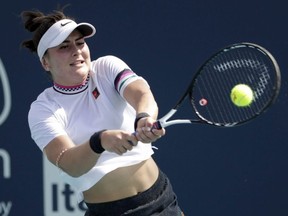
<point>46,95</point>
<point>44,101</point>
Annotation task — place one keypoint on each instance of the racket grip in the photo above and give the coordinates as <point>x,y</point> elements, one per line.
<point>130,142</point>
<point>157,125</point>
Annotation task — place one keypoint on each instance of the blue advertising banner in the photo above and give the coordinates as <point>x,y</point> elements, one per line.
<point>239,171</point>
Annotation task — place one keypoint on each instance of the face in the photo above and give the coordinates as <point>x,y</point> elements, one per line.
<point>69,62</point>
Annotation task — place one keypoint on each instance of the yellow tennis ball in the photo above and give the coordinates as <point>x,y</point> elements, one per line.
<point>241,95</point>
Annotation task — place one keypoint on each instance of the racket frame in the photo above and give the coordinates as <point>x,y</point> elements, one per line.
<point>163,122</point>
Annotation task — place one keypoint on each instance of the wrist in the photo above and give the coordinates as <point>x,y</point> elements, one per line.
<point>95,142</point>
<point>140,116</point>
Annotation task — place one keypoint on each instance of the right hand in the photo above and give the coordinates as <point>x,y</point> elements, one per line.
<point>118,141</point>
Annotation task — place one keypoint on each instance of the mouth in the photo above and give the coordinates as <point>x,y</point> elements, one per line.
<point>77,63</point>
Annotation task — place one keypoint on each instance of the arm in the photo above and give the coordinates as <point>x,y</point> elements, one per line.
<point>76,160</point>
<point>140,97</point>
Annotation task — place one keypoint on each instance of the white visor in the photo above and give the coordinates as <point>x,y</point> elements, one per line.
<point>59,31</point>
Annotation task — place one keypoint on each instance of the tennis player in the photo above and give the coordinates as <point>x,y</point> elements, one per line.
<point>84,122</point>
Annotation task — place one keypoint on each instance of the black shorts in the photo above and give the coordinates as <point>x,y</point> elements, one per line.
<point>159,200</point>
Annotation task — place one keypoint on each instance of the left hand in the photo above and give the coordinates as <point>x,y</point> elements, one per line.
<point>145,131</point>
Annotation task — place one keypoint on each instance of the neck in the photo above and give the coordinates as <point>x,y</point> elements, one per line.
<point>72,88</point>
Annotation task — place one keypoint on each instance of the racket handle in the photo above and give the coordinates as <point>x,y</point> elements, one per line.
<point>130,142</point>
<point>157,125</point>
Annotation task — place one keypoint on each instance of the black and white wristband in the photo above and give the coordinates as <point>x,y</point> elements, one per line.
<point>95,142</point>
<point>140,116</point>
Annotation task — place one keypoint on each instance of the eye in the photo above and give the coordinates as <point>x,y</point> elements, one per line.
<point>80,43</point>
<point>63,46</point>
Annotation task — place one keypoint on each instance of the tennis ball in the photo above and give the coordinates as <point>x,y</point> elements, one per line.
<point>241,95</point>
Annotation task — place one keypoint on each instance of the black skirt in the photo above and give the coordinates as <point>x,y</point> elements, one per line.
<point>159,200</point>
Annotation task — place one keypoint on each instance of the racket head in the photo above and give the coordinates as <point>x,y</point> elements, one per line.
<point>241,63</point>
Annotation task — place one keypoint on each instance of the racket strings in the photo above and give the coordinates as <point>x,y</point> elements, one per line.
<point>234,65</point>
<point>225,70</point>
<point>223,111</point>
<point>220,65</point>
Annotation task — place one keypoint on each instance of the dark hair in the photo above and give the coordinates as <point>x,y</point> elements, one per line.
<point>37,22</point>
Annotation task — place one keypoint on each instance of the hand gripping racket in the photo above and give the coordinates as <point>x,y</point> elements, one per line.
<point>210,88</point>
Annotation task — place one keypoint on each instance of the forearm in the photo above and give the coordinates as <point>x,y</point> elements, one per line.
<point>147,104</point>
<point>140,97</point>
<point>78,160</point>
<point>72,159</point>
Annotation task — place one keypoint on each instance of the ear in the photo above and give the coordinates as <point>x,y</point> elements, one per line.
<point>45,64</point>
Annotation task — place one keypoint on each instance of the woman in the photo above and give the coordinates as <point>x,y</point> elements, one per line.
<point>84,122</point>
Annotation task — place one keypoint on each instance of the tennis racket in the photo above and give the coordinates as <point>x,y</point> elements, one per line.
<point>210,88</point>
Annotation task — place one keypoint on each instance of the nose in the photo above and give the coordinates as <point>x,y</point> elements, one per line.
<point>76,50</point>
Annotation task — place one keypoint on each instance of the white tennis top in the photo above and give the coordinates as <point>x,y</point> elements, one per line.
<point>82,110</point>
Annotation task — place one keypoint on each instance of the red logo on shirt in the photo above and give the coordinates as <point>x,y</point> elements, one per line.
<point>96,93</point>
